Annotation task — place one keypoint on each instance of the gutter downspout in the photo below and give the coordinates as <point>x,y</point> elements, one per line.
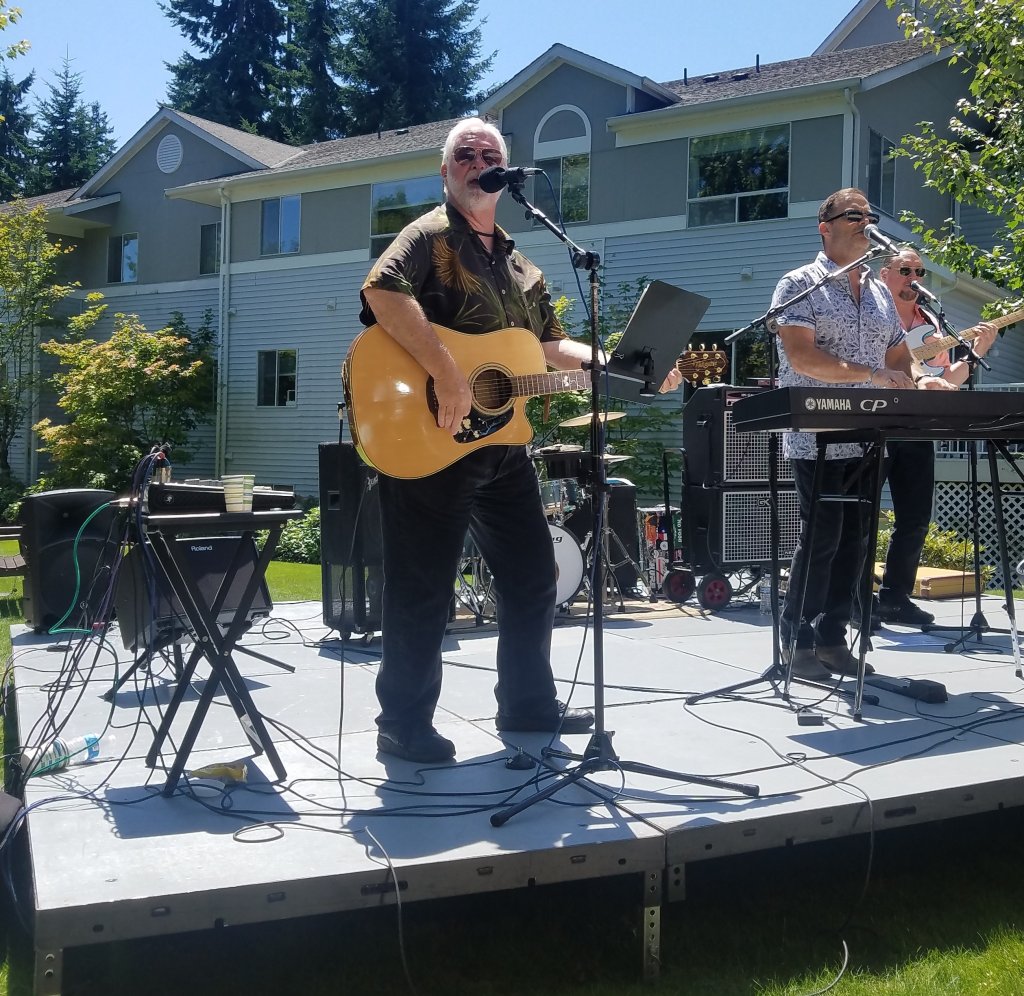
<point>851,137</point>
<point>223,347</point>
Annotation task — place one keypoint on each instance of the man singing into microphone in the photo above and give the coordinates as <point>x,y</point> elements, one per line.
<point>844,334</point>
<point>455,267</point>
<point>910,463</point>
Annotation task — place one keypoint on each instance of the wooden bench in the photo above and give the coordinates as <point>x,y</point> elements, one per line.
<point>13,564</point>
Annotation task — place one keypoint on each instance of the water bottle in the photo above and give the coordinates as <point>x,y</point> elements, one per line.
<point>764,590</point>
<point>59,754</point>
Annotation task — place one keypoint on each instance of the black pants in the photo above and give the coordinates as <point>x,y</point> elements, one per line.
<point>495,495</point>
<point>833,565</point>
<point>910,470</point>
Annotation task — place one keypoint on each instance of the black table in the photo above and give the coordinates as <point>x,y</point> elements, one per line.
<point>213,642</point>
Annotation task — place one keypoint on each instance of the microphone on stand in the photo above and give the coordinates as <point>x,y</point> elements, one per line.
<point>494,178</point>
<point>923,292</point>
<point>874,233</point>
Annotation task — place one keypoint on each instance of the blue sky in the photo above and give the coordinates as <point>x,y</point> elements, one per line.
<point>120,46</point>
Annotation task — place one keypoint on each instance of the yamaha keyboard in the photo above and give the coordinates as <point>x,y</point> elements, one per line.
<point>897,414</point>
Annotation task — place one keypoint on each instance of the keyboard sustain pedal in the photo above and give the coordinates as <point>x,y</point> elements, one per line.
<point>913,688</point>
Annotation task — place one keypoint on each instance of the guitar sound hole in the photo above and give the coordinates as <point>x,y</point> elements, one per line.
<point>492,391</point>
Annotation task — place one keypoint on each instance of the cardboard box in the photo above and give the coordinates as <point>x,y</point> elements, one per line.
<point>937,582</point>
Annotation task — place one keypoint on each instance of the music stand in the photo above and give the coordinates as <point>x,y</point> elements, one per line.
<point>664,316</point>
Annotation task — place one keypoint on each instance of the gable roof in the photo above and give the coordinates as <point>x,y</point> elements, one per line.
<point>773,77</point>
<point>846,26</point>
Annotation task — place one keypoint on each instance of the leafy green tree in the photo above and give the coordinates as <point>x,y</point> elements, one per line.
<point>15,143</point>
<point>29,294</point>
<point>232,81</point>
<point>8,16</point>
<point>308,100</point>
<point>74,139</point>
<point>123,395</point>
<point>410,61</point>
<point>978,158</point>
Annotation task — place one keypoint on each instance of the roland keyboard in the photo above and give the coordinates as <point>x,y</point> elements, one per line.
<point>899,414</point>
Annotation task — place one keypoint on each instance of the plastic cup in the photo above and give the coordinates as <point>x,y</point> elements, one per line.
<point>238,492</point>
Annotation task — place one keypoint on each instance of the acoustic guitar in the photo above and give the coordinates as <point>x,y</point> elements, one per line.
<point>392,407</point>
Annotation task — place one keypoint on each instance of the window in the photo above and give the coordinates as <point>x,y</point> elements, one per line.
<point>881,173</point>
<point>209,248</point>
<point>394,205</point>
<point>739,176</point>
<point>279,231</point>
<point>123,259</point>
<point>276,373</point>
<point>570,178</point>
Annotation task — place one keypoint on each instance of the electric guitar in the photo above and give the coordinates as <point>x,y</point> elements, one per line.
<point>928,346</point>
<point>392,407</point>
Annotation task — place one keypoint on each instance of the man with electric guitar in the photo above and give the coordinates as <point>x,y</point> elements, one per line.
<point>910,463</point>
<point>465,331</point>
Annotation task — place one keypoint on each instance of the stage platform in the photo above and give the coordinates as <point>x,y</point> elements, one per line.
<point>111,858</point>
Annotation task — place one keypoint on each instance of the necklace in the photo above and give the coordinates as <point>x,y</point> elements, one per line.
<point>486,235</point>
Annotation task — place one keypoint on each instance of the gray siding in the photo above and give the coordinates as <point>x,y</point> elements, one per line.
<point>815,158</point>
<point>878,26</point>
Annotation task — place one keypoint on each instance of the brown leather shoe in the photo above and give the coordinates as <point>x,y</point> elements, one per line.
<point>806,665</point>
<point>840,660</point>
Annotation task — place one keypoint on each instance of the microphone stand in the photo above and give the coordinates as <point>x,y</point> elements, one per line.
<point>978,625</point>
<point>775,670</point>
<point>599,754</point>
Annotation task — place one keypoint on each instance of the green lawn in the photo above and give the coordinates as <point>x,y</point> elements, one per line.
<point>943,915</point>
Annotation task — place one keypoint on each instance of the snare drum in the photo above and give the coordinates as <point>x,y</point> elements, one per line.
<point>561,461</point>
<point>568,564</point>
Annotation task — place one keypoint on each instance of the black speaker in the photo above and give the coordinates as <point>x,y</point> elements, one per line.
<point>624,543</point>
<point>717,455</point>
<point>68,546</point>
<point>149,615</point>
<point>351,551</point>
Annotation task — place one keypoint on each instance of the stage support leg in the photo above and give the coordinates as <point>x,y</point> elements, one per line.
<point>49,970</point>
<point>651,927</point>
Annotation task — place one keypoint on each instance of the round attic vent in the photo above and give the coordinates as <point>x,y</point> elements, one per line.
<point>168,153</point>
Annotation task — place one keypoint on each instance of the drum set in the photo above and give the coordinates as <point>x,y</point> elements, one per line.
<point>564,480</point>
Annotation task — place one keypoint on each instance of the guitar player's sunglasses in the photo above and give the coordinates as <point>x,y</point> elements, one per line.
<point>464,154</point>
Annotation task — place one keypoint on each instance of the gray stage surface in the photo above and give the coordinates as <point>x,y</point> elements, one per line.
<point>112,858</point>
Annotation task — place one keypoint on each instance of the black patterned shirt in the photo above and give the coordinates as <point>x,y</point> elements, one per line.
<point>440,262</point>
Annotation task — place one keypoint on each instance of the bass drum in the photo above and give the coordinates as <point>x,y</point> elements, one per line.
<point>568,564</point>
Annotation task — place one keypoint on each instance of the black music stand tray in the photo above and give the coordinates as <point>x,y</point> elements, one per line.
<point>213,642</point>
<point>664,316</point>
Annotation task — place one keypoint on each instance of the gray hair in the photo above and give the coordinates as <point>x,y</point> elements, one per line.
<point>468,124</point>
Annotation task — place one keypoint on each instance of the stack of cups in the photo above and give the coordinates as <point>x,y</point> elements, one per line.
<point>238,492</point>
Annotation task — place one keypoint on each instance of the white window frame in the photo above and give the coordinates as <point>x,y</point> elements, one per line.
<point>881,172</point>
<point>284,241</point>
<point>560,150</point>
<point>285,385</point>
<point>216,248</point>
<point>430,185</point>
<point>123,250</point>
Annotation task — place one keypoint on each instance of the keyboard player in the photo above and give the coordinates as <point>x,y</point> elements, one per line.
<point>846,333</point>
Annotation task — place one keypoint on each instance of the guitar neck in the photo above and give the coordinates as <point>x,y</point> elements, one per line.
<point>935,346</point>
<point>554,382</point>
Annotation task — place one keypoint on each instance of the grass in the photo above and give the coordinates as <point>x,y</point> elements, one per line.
<point>943,913</point>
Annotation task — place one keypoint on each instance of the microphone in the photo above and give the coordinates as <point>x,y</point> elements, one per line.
<point>874,233</point>
<point>923,292</point>
<point>494,178</point>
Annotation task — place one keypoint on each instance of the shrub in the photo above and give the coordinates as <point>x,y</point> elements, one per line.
<point>300,539</point>
<point>942,547</point>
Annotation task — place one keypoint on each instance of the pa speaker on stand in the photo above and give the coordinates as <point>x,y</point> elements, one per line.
<point>351,554</point>
<point>68,544</point>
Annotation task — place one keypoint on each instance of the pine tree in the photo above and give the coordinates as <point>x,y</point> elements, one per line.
<point>233,80</point>
<point>74,140</point>
<point>308,98</point>
<point>410,61</point>
<point>15,144</point>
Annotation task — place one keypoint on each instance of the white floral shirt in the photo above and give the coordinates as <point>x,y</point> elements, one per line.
<point>859,332</point>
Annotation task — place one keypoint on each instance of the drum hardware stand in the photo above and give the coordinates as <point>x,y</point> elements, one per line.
<point>599,754</point>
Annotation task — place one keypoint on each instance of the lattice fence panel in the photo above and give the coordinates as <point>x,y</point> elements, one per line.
<point>952,510</point>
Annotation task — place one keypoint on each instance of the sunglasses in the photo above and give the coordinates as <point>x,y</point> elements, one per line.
<point>464,155</point>
<point>855,216</point>
<point>918,271</point>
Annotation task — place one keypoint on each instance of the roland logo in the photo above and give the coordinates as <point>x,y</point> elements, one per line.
<point>201,547</point>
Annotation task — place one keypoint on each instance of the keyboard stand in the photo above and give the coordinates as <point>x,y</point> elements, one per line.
<point>212,642</point>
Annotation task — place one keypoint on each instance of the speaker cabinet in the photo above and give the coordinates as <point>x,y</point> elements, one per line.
<point>56,567</point>
<point>717,455</point>
<point>624,542</point>
<point>149,615</point>
<point>351,550</point>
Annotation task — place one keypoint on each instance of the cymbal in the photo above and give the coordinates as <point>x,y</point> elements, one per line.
<point>578,420</point>
<point>617,457</point>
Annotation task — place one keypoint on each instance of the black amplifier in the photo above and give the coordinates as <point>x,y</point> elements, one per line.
<point>182,496</point>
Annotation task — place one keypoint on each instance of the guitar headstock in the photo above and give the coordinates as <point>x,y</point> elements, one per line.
<point>703,366</point>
